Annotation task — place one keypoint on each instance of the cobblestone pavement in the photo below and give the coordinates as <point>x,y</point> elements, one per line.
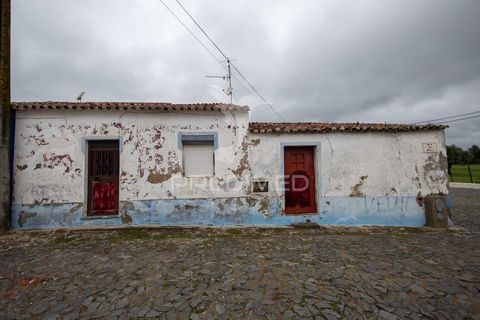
<point>466,208</point>
<point>362,273</point>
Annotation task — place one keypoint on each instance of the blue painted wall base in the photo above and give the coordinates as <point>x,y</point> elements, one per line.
<point>389,211</point>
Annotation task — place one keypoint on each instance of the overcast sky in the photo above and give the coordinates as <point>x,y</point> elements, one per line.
<point>320,60</point>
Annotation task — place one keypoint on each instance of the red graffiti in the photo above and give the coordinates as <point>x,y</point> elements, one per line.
<point>104,196</point>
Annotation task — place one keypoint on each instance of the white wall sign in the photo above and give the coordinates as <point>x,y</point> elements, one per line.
<point>429,147</point>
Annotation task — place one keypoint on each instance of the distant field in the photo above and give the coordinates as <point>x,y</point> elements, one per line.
<point>460,173</point>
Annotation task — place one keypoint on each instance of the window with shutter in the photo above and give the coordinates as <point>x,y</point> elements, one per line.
<point>198,159</point>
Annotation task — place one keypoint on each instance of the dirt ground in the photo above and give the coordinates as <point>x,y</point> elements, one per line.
<point>209,273</point>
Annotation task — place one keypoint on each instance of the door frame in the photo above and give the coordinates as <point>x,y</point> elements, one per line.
<point>317,167</point>
<point>84,149</point>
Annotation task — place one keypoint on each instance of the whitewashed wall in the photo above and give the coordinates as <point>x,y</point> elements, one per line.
<point>362,178</point>
<point>50,157</point>
<point>391,163</point>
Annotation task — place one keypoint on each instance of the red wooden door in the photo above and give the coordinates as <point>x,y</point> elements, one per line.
<point>299,180</point>
<point>103,163</point>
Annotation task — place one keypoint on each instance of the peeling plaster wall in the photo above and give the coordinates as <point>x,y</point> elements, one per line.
<point>50,161</point>
<point>362,178</point>
<point>357,164</point>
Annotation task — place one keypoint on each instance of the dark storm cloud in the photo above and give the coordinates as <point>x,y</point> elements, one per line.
<point>394,61</point>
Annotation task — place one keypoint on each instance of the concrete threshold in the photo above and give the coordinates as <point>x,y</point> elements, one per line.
<point>461,185</point>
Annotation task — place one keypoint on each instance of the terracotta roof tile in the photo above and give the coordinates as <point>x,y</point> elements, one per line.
<point>141,106</point>
<point>319,127</point>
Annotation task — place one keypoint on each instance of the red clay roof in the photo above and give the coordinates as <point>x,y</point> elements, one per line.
<point>142,106</point>
<point>318,127</point>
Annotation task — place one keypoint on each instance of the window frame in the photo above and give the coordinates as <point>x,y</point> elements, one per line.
<point>198,138</point>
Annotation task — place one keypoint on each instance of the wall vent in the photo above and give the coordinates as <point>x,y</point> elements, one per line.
<point>259,186</point>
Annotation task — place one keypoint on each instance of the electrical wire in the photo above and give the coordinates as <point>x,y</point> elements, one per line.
<point>26,91</point>
<point>204,46</point>
<point>258,93</point>
<point>225,56</point>
<point>191,32</point>
<point>461,119</point>
<point>201,29</point>
<point>450,117</point>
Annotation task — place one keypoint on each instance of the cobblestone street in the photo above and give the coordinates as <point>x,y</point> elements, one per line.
<point>208,273</point>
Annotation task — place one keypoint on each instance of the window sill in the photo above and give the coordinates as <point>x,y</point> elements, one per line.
<point>100,217</point>
<point>302,214</point>
<point>199,176</point>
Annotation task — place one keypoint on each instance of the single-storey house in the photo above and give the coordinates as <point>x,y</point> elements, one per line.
<point>114,163</point>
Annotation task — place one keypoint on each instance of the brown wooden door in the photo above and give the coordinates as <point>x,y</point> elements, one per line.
<point>103,163</point>
<point>299,180</point>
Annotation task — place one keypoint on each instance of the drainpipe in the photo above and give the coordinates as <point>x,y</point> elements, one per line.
<point>13,116</point>
<point>5,109</point>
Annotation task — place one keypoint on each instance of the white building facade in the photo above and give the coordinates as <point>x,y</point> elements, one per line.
<point>78,164</point>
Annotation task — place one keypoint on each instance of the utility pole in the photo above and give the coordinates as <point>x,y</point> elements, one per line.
<point>230,88</point>
<point>5,114</point>
<point>228,91</point>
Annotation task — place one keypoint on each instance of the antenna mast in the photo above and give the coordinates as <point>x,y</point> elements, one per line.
<point>228,91</point>
<point>230,88</point>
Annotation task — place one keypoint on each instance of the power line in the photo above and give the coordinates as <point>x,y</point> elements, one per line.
<point>201,29</point>
<point>461,119</point>
<point>242,85</point>
<point>204,46</point>
<point>190,31</point>
<point>450,117</point>
<point>258,93</point>
<point>225,56</point>
<point>26,91</point>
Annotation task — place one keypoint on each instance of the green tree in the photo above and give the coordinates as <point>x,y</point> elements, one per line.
<point>455,155</point>
<point>475,152</point>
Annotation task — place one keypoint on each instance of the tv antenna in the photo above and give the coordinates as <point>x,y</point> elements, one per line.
<point>80,96</point>
<point>228,77</point>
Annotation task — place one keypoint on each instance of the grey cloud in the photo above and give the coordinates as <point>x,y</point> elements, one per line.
<point>395,61</point>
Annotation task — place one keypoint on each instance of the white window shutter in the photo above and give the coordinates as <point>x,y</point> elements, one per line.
<point>198,159</point>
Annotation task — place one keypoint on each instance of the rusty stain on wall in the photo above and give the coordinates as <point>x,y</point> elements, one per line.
<point>264,204</point>
<point>244,164</point>
<point>38,140</point>
<point>52,160</point>
<point>191,207</point>
<point>43,200</point>
<point>356,189</point>
<point>252,202</point>
<point>24,216</point>
<point>158,177</point>
<point>125,218</point>
<point>420,199</point>
<point>76,208</point>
